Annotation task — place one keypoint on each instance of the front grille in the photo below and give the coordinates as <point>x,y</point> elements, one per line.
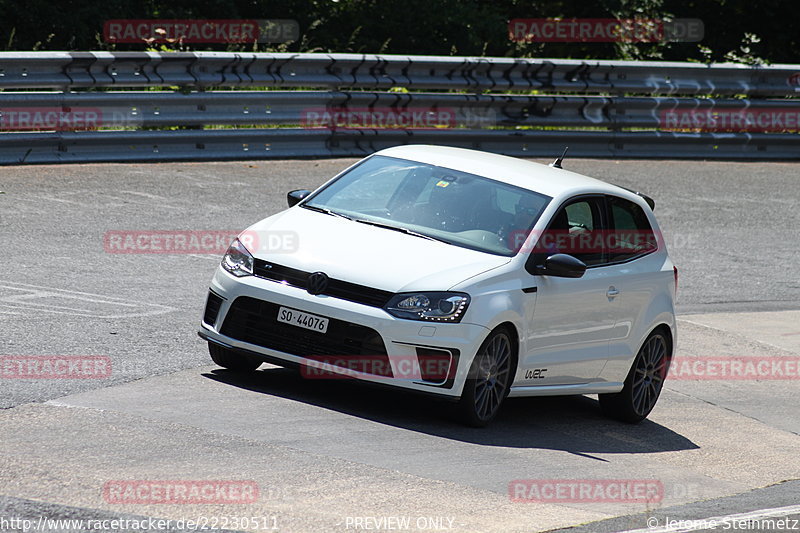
<point>255,321</point>
<point>213,304</point>
<point>343,290</point>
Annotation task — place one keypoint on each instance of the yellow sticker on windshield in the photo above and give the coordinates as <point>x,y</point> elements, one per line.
<point>443,183</point>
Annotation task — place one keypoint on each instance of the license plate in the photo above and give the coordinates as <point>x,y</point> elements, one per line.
<point>303,320</point>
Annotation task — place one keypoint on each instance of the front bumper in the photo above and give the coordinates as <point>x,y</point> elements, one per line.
<point>404,340</point>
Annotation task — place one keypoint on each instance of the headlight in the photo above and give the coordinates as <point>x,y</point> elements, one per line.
<point>433,306</point>
<point>237,260</point>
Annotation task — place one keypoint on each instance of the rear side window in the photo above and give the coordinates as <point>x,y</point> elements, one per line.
<point>631,235</point>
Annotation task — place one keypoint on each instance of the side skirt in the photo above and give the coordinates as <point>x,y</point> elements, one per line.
<point>561,390</point>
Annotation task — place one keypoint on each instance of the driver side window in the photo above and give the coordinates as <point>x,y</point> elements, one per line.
<point>576,230</point>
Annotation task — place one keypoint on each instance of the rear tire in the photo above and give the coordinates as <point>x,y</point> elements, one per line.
<point>643,383</point>
<point>232,360</point>
<point>488,381</point>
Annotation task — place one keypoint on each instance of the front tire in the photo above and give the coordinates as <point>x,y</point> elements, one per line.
<point>643,383</point>
<point>489,380</point>
<point>232,360</point>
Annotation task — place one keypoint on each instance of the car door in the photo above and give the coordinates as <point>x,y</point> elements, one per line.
<point>573,318</point>
<point>631,271</point>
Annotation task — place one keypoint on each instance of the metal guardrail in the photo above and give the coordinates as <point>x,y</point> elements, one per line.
<point>291,108</point>
<point>601,111</point>
<point>211,145</point>
<point>71,70</point>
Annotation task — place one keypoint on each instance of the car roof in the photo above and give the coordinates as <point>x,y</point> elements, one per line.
<point>554,182</point>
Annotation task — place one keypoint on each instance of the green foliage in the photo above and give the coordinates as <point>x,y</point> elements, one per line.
<point>439,27</point>
<point>744,54</point>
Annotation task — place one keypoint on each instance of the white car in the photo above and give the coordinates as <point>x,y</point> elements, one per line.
<point>464,274</point>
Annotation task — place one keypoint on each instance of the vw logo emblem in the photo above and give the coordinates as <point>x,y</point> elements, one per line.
<point>317,283</point>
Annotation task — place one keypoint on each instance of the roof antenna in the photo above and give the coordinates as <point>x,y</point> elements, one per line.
<point>557,162</point>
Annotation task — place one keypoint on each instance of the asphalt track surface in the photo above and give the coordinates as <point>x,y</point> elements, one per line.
<point>326,454</point>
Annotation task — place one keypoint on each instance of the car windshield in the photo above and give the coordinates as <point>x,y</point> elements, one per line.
<point>456,207</point>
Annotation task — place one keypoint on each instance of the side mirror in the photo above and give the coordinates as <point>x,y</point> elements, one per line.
<point>295,196</point>
<point>562,266</point>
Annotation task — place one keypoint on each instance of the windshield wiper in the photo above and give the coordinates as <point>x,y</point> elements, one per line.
<point>325,210</point>
<point>401,230</point>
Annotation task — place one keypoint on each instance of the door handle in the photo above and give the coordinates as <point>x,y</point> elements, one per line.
<point>612,292</point>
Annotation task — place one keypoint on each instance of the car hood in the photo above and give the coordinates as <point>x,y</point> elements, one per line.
<point>364,254</point>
